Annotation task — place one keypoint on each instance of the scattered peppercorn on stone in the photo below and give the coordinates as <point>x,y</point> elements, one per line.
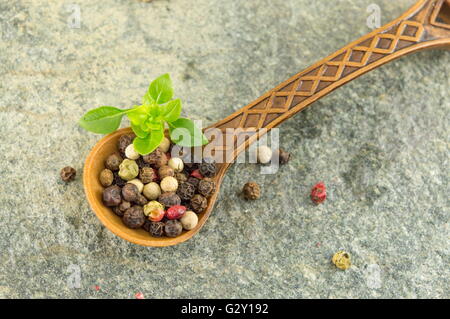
<point>318,193</point>
<point>342,260</point>
<point>251,191</point>
<point>68,174</point>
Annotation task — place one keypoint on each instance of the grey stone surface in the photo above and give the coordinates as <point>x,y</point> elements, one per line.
<point>381,145</point>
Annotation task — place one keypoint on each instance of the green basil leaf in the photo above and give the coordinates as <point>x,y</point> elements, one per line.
<point>184,133</point>
<point>161,89</point>
<point>147,99</point>
<point>138,130</point>
<point>139,114</point>
<point>172,110</point>
<point>148,144</point>
<point>102,120</point>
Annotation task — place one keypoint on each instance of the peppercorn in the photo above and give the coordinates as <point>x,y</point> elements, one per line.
<point>120,210</point>
<point>68,174</point>
<point>176,163</point>
<point>175,212</point>
<point>119,181</point>
<point>173,228</point>
<point>141,163</point>
<point>134,217</point>
<point>151,206</point>
<point>208,169</point>
<point>138,184</point>
<point>194,181</point>
<point>206,187</point>
<point>147,175</point>
<point>342,260</point>
<point>112,196</point>
<point>186,191</point>
<point>156,229</point>
<point>147,225</point>
<point>152,191</point>
<point>196,174</point>
<point>106,177</point>
<point>190,165</point>
<point>156,158</point>
<point>124,141</point>
<point>189,220</point>
<point>169,199</point>
<point>283,156</point>
<point>165,171</point>
<point>130,192</point>
<point>169,184</point>
<point>198,203</point>
<point>128,169</point>
<point>141,200</point>
<point>165,145</point>
<point>251,191</point>
<point>264,154</point>
<point>181,177</point>
<point>113,161</point>
<point>318,193</point>
<point>131,153</point>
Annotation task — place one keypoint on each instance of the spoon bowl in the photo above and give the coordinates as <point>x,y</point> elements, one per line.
<point>426,25</point>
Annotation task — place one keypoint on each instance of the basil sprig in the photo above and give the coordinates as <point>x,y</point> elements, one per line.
<point>149,119</point>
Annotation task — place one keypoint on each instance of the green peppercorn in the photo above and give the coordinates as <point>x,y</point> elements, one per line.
<point>128,169</point>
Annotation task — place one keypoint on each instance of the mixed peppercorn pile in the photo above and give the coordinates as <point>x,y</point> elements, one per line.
<point>156,192</point>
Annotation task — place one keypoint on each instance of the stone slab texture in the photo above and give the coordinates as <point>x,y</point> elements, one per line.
<point>380,143</point>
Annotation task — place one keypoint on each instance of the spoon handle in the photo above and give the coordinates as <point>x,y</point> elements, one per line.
<point>418,28</point>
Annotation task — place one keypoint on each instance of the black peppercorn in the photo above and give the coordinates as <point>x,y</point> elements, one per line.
<point>124,141</point>
<point>147,175</point>
<point>156,229</point>
<point>157,158</point>
<point>140,162</point>
<point>112,196</point>
<point>120,210</point>
<point>208,169</point>
<point>181,177</point>
<point>147,225</point>
<point>169,199</point>
<point>198,203</point>
<point>141,200</point>
<point>68,174</point>
<point>173,228</point>
<point>206,187</point>
<point>283,156</point>
<point>134,217</point>
<point>113,161</point>
<point>251,191</point>
<point>194,181</point>
<point>119,181</point>
<point>130,192</point>
<point>186,191</point>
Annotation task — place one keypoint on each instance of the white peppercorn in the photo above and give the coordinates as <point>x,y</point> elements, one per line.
<point>169,184</point>
<point>138,184</point>
<point>128,169</point>
<point>165,145</point>
<point>152,191</point>
<point>264,154</point>
<point>189,220</point>
<point>131,153</point>
<point>176,163</point>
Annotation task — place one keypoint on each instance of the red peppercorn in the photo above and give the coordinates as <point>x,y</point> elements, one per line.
<point>196,174</point>
<point>175,212</point>
<point>319,193</point>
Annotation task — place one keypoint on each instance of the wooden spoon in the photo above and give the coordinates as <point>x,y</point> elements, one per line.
<point>425,25</point>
